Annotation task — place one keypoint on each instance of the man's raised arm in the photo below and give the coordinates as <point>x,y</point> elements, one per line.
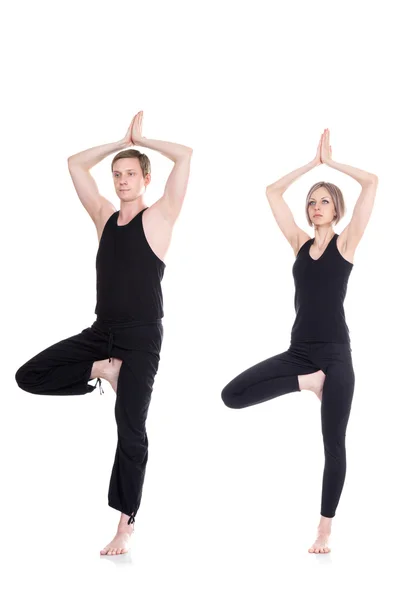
<point>79,166</point>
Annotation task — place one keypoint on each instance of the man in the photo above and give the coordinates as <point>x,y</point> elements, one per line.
<point>123,344</point>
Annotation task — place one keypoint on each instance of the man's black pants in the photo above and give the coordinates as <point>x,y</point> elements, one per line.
<point>65,368</point>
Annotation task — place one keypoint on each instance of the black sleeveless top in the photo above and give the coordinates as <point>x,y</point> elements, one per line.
<point>128,272</point>
<point>321,287</point>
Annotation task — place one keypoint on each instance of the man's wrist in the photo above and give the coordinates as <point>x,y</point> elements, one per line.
<point>124,144</point>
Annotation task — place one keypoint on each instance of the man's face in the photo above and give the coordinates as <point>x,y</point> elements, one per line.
<point>128,179</point>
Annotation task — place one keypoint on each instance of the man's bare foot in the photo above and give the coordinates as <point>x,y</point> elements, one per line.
<point>313,382</point>
<point>320,546</point>
<point>121,542</point>
<point>107,370</point>
<point>111,372</point>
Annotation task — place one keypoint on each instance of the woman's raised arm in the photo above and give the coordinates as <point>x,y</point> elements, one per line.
<point>281,211</point>
<point>354,231</point>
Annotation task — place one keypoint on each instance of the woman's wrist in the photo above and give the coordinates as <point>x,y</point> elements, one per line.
<point>315,163</point>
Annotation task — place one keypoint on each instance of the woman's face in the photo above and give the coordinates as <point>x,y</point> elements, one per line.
<point>321,208</point>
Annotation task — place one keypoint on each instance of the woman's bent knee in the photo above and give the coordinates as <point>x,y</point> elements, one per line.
<point>229,399</point>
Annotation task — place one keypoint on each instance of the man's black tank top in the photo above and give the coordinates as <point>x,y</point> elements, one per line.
<point>320,290</point>
<point>129,274</point>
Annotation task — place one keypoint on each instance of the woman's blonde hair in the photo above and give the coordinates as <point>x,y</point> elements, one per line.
<point>336,195</point>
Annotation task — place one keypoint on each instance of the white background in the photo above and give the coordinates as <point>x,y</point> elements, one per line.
<point>231,499</point>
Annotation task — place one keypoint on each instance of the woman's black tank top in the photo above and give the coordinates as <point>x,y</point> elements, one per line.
<point>128,272</point>
<point>321,287</point>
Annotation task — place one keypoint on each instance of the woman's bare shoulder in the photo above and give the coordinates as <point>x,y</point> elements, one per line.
<point>299,241</point>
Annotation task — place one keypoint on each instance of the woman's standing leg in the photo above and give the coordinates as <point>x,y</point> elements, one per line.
<point>335,411</point>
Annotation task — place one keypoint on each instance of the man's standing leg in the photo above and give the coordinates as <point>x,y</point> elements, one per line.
<point>134,389</point>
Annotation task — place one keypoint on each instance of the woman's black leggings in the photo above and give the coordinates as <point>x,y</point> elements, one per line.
<point>278,375</point>
<point>65,368</point>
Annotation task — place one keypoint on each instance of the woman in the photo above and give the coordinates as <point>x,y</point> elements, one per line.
<point>319,357</point>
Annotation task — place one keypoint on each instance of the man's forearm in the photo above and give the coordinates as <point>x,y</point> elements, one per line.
<point>92,156</point>
<point>169,149</point>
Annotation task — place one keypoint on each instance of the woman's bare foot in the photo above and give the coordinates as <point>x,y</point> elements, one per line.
<point>121,542</point>
<point>313,382</point>
<point>320,546</point>
<point>107,370</point>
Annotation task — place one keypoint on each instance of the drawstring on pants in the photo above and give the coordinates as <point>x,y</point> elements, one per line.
<point>131,519</point>
<point>110,343</point>
<point>100,388</point>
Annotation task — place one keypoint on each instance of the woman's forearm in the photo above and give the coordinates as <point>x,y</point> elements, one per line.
<point>92,156</point>
<point>363,177</point>
<point>282,184</point>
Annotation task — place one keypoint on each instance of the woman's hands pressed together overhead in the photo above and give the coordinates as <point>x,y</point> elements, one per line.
<point>326,149</point>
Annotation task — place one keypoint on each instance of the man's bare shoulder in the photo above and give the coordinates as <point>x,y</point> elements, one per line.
<point>157,216</point>
<point>105,213</point>
<point>158,229</point>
